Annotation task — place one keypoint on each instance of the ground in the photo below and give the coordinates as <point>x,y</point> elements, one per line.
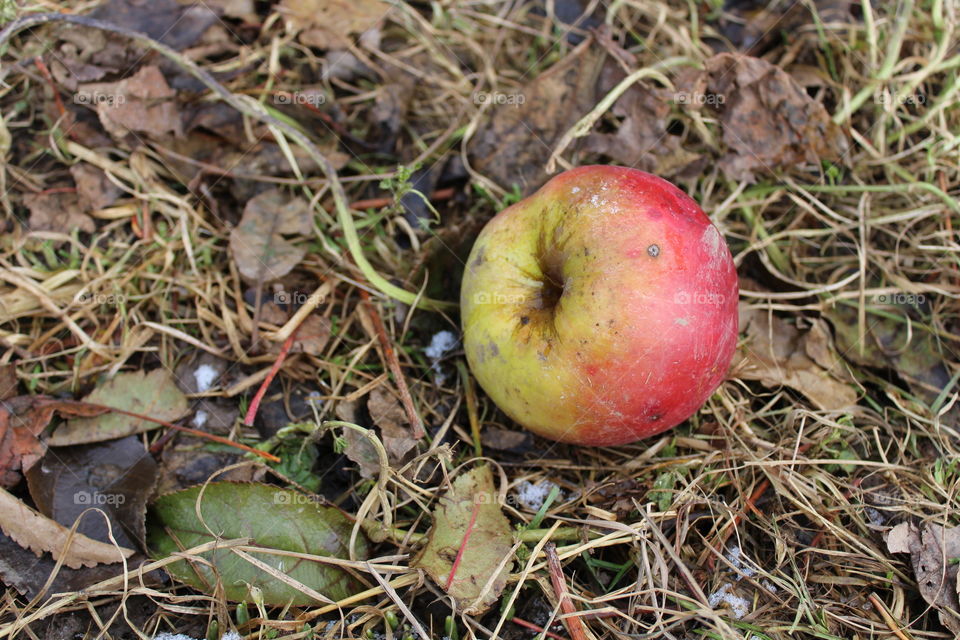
<point>233,238</point>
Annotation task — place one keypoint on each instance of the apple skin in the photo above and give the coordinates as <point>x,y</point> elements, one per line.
<point>602,309</point>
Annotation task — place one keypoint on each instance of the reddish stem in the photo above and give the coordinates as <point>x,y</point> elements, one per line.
<point>255,403</point>
<point>533,627</point>
<point>571,621</point>
<point>463,545</point>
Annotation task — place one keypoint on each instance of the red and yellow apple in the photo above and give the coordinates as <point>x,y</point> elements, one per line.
<point>602,309</point>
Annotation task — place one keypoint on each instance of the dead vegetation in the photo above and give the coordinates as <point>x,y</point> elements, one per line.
<point>280,193</point>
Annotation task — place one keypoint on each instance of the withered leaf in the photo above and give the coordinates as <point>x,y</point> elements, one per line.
<point>22,419</point>
<point>328,24</point>
<point>387,413</point>
<point>95,191</point>
<point>512,146</point>
<point>768,120</point>
<point>470,506</point>
<point>57,212</point>
<point>777,353</point>
<point>142,103</point>
<point>38,533</point>
<point>257,242</point>
<point>116,477</point>
<point>151,394</point>
<point>933,553</point>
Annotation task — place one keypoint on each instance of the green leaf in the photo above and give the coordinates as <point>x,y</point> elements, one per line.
<point>471,506</point>
<point>274,518</point>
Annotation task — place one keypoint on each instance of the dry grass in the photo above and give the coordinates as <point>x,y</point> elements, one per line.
<point>645,532</point>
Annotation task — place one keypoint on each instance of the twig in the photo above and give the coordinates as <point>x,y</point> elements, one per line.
<point>570,619</point>
<point>170,425</point>
<point>533,627</point>
<point>255,403</point>
<point>394,364</point>
<point>887,618</point>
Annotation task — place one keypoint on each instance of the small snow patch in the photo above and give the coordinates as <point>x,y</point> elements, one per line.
<point>200,418</point>
<point>736,558</point>
<point>205,375</point>
<point>440,343</point>
<point>739,607</point>
<point>532,495</point>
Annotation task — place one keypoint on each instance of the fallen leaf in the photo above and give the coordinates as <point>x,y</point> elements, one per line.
<point>94,189</point>
<point>57,212</point>
<point>328,24</point>
<point>641,139</point>
<point>778,354</point>
<point>387,413</point>
<point>273,518</point>
<point>22,419</point>
<point>768,120</point>
<point>142,103</point>
<point>8,381</point>
<point>173,24</point>
<point>506,439</point>
<point>513,144</point>
<point>151,394</point>
<point>908,350</point>
<point>39,534</point>
<point>28,574</point>
<point>116,477</point>
<point>359,449</point>
<point>470,506</point>
<point>934,551</point>
<point>311,337</point>
<point>257,242</point>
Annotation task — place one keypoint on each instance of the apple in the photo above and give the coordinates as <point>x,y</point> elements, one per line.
<point>602,309</point>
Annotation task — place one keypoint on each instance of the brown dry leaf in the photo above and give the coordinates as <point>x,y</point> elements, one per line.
<point>8,381</point>
<point>359,449</point>
<point>387,413</point>
<point>93,187</point>
<point>776,353</point>
<point>20,444</point>
<point>142,103</point>
<point>312,336</point>
<point>22,419</point>
<point>168,21</point>
<point>151,394</point>
<point>328,24</point>
<point>641,140</point>
<point>38,533</point>
<point>768,120</point>
<point>257,242</point>
<point>57,212</point>
<point>515,142</point>
<point>933,551</point>
<point>471,505</point>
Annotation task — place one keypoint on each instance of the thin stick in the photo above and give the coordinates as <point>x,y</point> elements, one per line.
<point>255,403</point>
<point>533,627</point>
<point>394,364</point>
<point>571,620</point>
